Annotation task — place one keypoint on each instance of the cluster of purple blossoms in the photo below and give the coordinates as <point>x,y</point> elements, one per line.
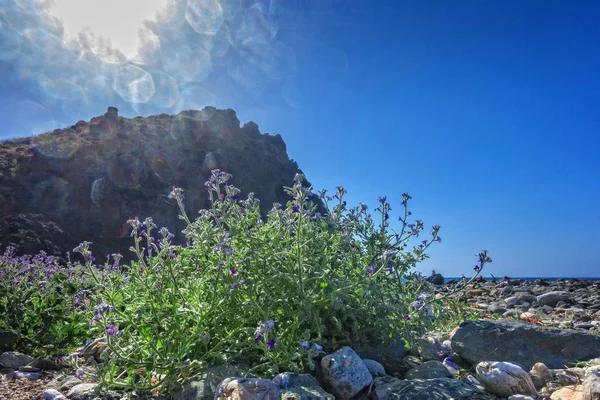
<point>236,285</point>
<point>100,310</point>
<point>177,194</point>
<point>260,331</point>
<point>305,344</point>
<point>421,305</point>
<point>112,330</point>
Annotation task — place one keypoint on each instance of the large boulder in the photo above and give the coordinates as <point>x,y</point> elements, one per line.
<point>87,180</point>
<point>523,343</point>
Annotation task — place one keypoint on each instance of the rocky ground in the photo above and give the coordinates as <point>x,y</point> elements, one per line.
<point>535,340</point>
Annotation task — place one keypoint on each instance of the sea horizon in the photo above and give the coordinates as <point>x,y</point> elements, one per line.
<point>527,279</point>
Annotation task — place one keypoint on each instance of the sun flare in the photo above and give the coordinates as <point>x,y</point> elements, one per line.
<point>114,20</point>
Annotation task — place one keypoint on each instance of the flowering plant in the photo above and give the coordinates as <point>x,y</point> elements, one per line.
<point>275,292</point>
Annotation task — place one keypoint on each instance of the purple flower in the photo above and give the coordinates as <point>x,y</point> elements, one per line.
<point>233,271</point>
<point>476,268</point>
<point>370,270</point>
<point>79,373</point>
<point>111,329</point>
<point>238,284</point>
<point>259,331</point>
<point>406,317</point>
<point>318,347</point>
<point>391,269</point>
<point>271,344</point>
<point>304,345</point>
<point>295,209</point>
<point>270,324</point>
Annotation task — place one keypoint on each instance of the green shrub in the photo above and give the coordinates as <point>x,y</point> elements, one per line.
<point>276,293</point>
<point>43,302</point>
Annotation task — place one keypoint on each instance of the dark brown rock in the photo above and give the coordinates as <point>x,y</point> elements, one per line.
<point>85,181</point>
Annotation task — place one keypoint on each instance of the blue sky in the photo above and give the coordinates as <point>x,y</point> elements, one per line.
<point>485,112</point>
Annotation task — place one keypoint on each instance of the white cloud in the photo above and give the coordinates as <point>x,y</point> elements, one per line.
<point>76,57</point>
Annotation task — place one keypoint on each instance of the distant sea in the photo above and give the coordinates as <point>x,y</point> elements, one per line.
<point>528,279</point>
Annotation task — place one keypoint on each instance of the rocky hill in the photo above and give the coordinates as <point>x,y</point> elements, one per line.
<point>83,182</point>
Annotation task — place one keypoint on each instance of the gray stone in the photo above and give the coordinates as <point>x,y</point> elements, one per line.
<point>429,370</point>
<point>591,387</point>
<point>344,373</point>
<point>496,309</point>
<point>512,301</point>
<point>248,389</point>
<point>390,355</point>
<point>552,298</point>
<point>205,384</point>
<point>374,367</point>
<point>432,348</point>
<point>476,341</point>
<point>29,368</point>
<point>53,394</point>
<point>527,297</point>
<point>304,387</point>
<point>31,376</point>
<point>67,383</point>
<point>13,359</point>
<point>82,391</point>
<point>387,387</point>
<point>504,379</point>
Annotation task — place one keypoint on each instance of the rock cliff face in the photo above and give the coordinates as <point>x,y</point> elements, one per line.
<point>83,182</point>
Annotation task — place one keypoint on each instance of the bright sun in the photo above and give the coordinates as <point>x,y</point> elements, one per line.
<point>116,20</point>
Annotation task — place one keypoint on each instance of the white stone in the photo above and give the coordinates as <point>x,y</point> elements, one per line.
<point>504,379</point>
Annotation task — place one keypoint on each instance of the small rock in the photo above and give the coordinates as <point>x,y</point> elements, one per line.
<point>305,387</point>
<point>344,373</point>
<point>566,378</point>
<point>552,298</point>
<point>248,389</point>
<point>512,301</point>
<point>13,359</point>
<point>387,387</point>
<point>436,278</point>
<point>520,397</point>
<point>282,380</point>
<point>591,388</point>
<point>450,366</point>
<point>31,376</point>
<point>541,371</point>
<point>374,367</point>
<point>567,393</point>
<point>504,379</point>
<point>68,383</point>
<point>429,370</point>
<point>82,391</point>
<point>28,368</point>
<point>53,394</point>
<point>432,348</point>
<point>496,309</point>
